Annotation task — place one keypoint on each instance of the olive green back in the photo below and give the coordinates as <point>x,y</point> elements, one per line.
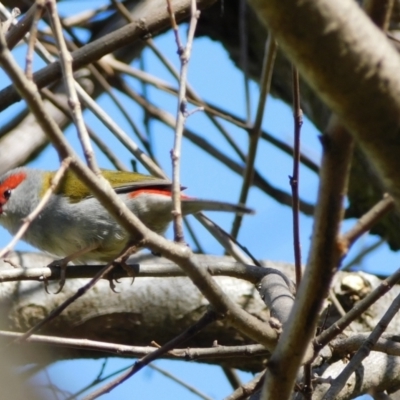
<point>76,190</point>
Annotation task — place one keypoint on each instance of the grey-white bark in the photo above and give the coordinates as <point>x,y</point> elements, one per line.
<point>159,308</point>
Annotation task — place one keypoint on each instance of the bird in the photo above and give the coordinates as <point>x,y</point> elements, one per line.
<point>76,227</point>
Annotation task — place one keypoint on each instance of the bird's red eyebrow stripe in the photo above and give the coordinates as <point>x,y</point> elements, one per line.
<point>168,193</point>
<point>13,181</point>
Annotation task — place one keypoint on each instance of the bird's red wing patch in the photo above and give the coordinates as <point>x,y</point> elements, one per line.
<point>11,183</point>
<point>162,192</point>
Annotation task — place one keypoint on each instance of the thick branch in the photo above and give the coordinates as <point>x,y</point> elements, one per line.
<point>353,67</point>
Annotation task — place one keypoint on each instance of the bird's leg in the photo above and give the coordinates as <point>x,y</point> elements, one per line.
<point>129,249</point>
<point>63,263</point>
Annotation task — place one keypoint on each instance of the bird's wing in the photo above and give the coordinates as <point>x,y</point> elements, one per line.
<point>153,184</point>
<point>122,182</point>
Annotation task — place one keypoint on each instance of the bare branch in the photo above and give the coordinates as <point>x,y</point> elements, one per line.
<point>255,131</point>
<point>207,319</point>
<point>323,261</point>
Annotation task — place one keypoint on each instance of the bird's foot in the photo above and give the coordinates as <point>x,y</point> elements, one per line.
<point>121,261</point>
<point>62,264</point>
<point>111,279</point>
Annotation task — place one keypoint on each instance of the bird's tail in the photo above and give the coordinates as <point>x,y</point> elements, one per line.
<point>193,205</point>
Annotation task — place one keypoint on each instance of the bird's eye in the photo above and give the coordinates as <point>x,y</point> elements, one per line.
<point>7,194</point>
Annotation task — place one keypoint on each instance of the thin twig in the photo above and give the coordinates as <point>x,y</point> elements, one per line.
<point>156,269</point>
<point>70,86</point>
<point>105,149</point>
<point>56,101</point>
<point>180,382</point>
<point>229,243</point>
<point>336,303</point>
<point>174,26</point>
<point>294,184</point>
<point>364,351</point>
<point>193,236</point>
<point>19,29</point>
<point>351,342</point>
<point>146,161</point>
<point>146,93</point>
<point>32,38</point>
<point>39,48</point>
<point>255,133</point>
<point>247,389</point>
<point>323,262</point>
<point>357,260</point>
<point>380,12</point>
<point>243,57</point>
<point>120,7</point>
<point>122,350</point>
<point>96,381</point>
<point>338,306</point>
<point>82,18</point>
<point>208,318</point>
<point>232,377</point>
<point>181,115</point>
<point>58,310</point>
<point>102,81</point>
<point>295,178</point>
<point>358,309</point>
<point>367,221</point>
<point>10,19</point>
<point>307,389</point>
